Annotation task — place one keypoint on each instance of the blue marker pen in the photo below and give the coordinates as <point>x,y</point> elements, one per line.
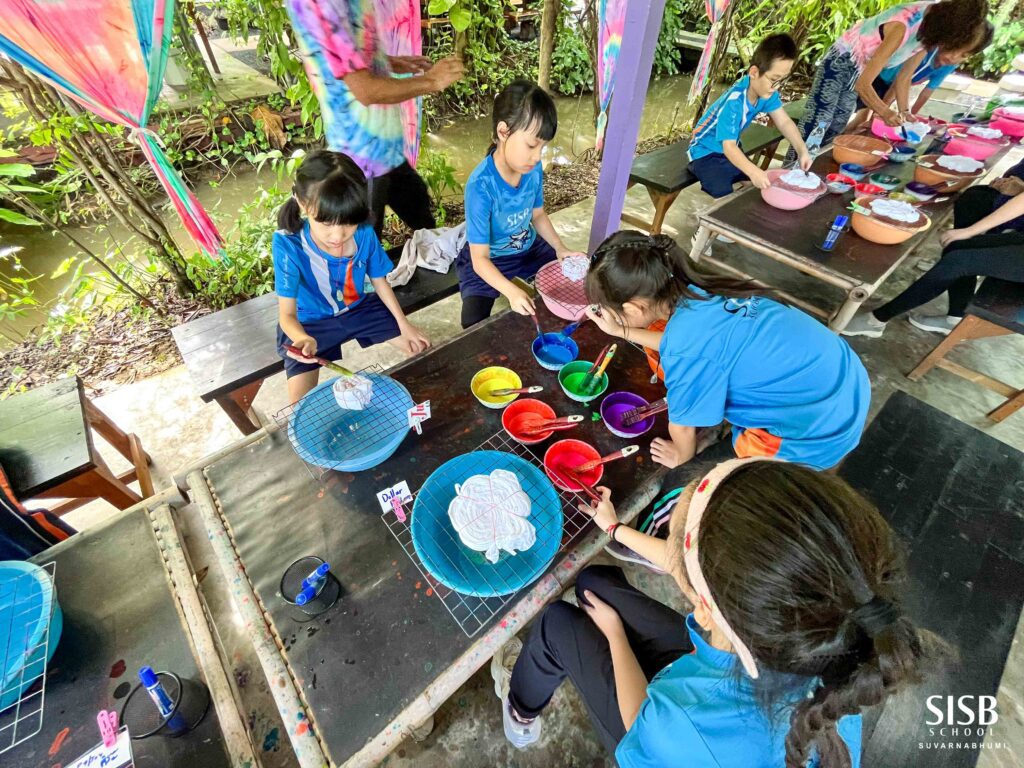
<point>834,232</point>
<point>307,594</point>
<point>317,577</point>
<point>156,691</point>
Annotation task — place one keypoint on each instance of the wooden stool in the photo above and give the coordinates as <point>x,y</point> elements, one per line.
<point>997,310</point>
<point>47,450</point>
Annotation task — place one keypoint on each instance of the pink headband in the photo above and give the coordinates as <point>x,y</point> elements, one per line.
<point>698,505</point>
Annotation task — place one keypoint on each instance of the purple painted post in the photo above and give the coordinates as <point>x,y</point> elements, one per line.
<point>632,73</point>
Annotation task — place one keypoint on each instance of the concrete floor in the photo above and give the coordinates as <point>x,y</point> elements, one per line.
<point>179,430</point>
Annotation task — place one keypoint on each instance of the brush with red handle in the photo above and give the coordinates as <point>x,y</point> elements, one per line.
<point>582,469</point>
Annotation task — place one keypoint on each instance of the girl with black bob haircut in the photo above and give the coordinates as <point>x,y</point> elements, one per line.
<point>330,270</point>
<point>796,629</point>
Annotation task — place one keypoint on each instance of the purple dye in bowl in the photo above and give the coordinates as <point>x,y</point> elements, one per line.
<point>618,403</point>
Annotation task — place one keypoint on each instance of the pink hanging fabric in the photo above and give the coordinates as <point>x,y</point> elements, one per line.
<point>715,10</point>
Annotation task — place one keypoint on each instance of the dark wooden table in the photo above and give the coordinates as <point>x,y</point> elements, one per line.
<point>119,615</point>
<point>229,353</point>
<point>855,265</point>
<point>47,449</point>
<point>380,662</point>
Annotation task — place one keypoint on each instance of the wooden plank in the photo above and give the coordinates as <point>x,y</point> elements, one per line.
<point>975,377</point>
<point>44,439</point>
<point>696,41</point>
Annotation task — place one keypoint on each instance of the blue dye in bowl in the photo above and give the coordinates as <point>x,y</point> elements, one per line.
<point>27,605</point>
<point>326,435</point>
<point>465,570</point>
<point>553,350</point>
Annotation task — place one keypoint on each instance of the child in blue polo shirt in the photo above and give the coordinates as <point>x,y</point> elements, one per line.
<point>329,272</point>
<point>796,628</point>
<point>790,388</point>
<point>505,206</point>
<point>716,157</point>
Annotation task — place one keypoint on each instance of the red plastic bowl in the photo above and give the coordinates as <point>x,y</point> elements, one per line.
<point>864,188</point>
<point>566,454</point>
<point>518,414</point>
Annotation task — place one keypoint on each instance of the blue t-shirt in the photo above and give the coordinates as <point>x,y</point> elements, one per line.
<point>727,118</point>
<point>500,215</point>
<point>762,365</point>
<point>697,714</point>
<point>324,285</point>
<point>926,71</point>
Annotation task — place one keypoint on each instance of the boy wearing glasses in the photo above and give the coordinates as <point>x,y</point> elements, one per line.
<point>716,157</point>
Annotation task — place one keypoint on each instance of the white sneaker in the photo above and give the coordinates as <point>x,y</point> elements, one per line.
<point>519,735</point>
<point>501,666</point>
<point>622,552</point>
<point>864,324</point>
<point>935,323</point>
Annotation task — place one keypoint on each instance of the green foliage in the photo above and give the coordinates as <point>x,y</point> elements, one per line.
<point>571,69</point>
<point>456,10</point>
<point>667,55</point>
<point>997,59</point>
<point>16,292</point>
<point>436,169</point>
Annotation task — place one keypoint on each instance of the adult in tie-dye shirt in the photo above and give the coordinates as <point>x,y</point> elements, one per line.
<point>900,36</point>
<point>351,50</point>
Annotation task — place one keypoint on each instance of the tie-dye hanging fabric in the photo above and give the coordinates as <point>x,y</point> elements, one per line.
<point>109,56</point>
<point>401,35</point>
<point>715,10</point>
<point>611,19</point>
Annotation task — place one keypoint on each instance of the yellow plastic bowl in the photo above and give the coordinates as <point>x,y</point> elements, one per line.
<point>494,377</point>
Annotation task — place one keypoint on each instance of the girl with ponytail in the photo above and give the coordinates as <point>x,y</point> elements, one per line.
<point>789,387</point>
<point>796,628</point>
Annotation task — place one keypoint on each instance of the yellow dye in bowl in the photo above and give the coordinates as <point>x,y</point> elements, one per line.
<point>495,377</point>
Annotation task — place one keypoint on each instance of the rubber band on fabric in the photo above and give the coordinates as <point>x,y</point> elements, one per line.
<point>691,553</point>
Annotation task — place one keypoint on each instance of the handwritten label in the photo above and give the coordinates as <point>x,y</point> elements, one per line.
<point>117,756</point>
<point>396,494</point>
<point>418,414</point>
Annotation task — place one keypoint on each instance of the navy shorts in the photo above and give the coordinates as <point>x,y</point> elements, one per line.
<point>524,265</point>
<point>369,322</point>
<point>716,174</point>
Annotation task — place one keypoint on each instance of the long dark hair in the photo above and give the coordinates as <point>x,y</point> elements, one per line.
<point>953,24</point>
<point>523,105</point>
<point>331,187</point>
<point>807,573</point>
<point>631,265</point>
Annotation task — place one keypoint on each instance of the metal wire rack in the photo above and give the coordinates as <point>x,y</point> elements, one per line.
<point>326,436</point>
<point>27,636</point>
<point>473,612</point>
<point>558,289</point>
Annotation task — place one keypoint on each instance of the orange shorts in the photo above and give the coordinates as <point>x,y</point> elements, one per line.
<point>756,442</point>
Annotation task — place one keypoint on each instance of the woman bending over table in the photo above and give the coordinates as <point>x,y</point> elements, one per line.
<point>983,243</point>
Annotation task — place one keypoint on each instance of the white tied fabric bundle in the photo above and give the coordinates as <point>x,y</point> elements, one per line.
<point>801,179</point>
<point>983,132</point>
<point>575,268</point>
<point>897,210</point>
<point>489,513</point>
<point>353,393</point>
<point>921,129</point>
<point>960,163</point>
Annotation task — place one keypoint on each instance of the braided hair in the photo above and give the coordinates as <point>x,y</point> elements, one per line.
<point>807,572</point>
<point>630,265</point>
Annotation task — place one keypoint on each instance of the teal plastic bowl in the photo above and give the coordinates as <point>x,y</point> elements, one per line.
<point>27,601</point>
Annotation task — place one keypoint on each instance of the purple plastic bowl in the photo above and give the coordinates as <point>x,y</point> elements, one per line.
<point>616,404</point>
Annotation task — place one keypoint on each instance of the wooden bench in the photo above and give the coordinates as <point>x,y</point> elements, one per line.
<point>229,353</point>
<point>696,41</point>
<point>996,310</point>
<point>664,173</point>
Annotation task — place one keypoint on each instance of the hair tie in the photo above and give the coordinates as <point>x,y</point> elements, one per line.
<point>875,616</point>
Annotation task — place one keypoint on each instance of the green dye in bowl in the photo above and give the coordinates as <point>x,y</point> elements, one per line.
<point>572,376</point>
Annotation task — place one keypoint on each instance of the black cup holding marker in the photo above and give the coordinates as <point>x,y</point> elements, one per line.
<point>837,228</point>
<point>164,704</point>
<point>309,584</point>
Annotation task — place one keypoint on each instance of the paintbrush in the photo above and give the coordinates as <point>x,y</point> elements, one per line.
<point>536,324</point>
<point>582,469</point>
<point>571,328</point>
<point>538,425</point>
<point>569,483</point>
<point>520,391</point>
<point>319,360</point>
<point>589,378</point>
<point>590,383</point>
<point>636,415</point>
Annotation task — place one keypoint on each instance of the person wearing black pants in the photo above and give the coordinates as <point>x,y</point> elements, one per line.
<point>404,190</point>
<point>976,247</point>
<point>566,643</point>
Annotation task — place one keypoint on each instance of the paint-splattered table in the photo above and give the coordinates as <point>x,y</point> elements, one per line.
<point>121,612</point>
<point>363,675</point>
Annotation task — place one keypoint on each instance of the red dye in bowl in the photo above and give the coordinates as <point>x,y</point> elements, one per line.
<point>864,188</point>
<point>521,414</point>
<point>566,454</point>
<point>618,403</point>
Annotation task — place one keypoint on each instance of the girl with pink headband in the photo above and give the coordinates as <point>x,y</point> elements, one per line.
<point>795,628</point>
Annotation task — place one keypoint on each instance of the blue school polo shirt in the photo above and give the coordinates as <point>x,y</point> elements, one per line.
<point>500,215</point>
<point>324,285</point>
<point>926,72</point>
<point>699,714</point>
<point>761,364</point>
<point>726,119</point>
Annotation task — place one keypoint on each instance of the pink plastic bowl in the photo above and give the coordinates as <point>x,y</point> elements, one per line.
<point>784,199</point>
<point>1009,126</point>
<point>883,131</point>
<point>972,146</point>
<point>563,297</point>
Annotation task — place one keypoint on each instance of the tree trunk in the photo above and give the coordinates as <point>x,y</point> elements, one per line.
<point>1005,11</point>
<point>720,54</point>
<point>548,23</point>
